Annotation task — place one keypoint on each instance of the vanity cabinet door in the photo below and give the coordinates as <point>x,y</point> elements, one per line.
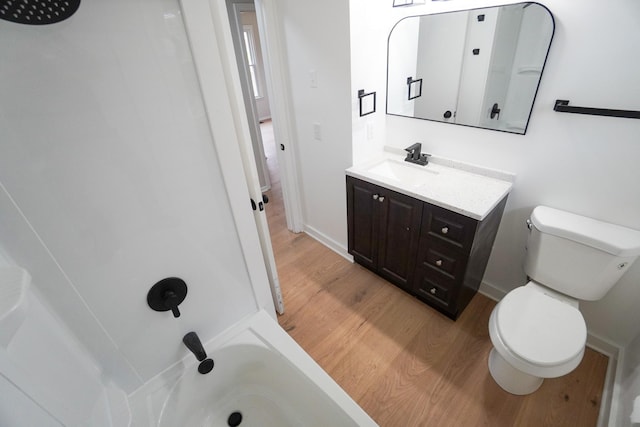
<point>363,216</point>
<point>384,228</point>
<point>400,230</point>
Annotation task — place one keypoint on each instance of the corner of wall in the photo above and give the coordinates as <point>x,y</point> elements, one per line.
<point>328,242</point>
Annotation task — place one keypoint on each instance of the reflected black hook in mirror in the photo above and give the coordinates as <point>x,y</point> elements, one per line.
<point>167,295</point>
<point>495,111</point>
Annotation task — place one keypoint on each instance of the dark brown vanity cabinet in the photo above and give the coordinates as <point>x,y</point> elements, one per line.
<point>435,254</point>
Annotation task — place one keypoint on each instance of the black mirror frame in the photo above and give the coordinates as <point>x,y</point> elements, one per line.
<point>553,26</point>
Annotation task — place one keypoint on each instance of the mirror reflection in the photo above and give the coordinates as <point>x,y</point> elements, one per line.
<point>479,67</point>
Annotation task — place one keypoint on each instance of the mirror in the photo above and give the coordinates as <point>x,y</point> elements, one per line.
<point>478,67</point>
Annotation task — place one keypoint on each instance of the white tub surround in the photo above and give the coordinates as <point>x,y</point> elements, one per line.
<point>47,379</point>
<point>260,372</point>
<point>14,285</point>
<point>464,188</point>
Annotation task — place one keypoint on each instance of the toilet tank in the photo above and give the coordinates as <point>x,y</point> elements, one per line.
<point>578,256</point>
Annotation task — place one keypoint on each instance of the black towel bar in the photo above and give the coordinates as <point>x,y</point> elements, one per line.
<point>562,106</point>
<point>372,104</point>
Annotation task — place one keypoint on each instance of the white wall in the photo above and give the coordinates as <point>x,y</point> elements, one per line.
<point>583,164</point>
<point>316,37</point>
<point>111,182</point>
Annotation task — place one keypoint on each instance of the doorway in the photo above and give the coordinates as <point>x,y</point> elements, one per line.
<point>252,66</point>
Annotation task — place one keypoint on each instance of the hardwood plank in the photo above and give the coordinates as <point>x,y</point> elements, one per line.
<point>402,361</point>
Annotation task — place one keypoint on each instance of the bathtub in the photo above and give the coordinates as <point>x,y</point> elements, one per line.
<point>261,376</point>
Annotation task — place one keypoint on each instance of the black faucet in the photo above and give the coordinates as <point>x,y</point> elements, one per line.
<point>415,156</point>
<point>193,343</point>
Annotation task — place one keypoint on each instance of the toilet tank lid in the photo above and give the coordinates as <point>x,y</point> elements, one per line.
<point>614,239</point>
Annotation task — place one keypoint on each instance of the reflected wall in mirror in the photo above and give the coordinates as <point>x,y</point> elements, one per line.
<point>479,67</point>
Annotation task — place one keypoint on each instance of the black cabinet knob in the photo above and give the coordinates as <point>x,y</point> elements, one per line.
<point>447,114</point>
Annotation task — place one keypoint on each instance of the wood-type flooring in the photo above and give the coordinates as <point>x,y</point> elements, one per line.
<point>403,362</point>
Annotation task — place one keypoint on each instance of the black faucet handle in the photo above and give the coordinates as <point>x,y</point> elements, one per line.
<point>171,301</point>
<point>167,294</point>
<point>414,148</point>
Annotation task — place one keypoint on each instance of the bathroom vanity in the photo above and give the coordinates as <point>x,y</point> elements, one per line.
<point>427,229</point>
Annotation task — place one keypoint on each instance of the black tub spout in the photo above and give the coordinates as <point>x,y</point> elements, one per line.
<point>192,342</point>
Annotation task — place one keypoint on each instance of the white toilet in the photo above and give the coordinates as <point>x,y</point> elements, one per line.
<point>537,330</point>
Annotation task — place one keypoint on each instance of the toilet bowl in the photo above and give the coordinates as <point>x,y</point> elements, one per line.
<point>537,330</point>
<point>536,333</point>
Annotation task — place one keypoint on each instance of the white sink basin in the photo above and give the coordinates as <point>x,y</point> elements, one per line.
<point>407,174</point>
<point>467,189</point>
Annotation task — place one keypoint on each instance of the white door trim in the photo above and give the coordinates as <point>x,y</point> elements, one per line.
<point>235,8</point>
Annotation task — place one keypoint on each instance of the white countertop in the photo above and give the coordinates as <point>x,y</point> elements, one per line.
<point>467,189</point>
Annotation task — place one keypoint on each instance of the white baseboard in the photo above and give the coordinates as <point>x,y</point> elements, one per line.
<point>609,406</point>
<point>613,378</point>
<point>328,242</point>
<point>490,291</point>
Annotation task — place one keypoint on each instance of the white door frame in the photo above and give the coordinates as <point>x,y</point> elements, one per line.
<point>248,145</point>
<point>214,58</point>
<point>277,76</point>
<point>211,42</point>
<point>235,8</point>
<point>280,102</point>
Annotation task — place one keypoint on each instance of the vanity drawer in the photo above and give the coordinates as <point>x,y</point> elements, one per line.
<point>435,287</point>
<point>441,259</point>
<point>449,227</point>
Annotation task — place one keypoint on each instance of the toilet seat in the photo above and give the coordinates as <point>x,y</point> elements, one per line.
<point>539,328</point>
